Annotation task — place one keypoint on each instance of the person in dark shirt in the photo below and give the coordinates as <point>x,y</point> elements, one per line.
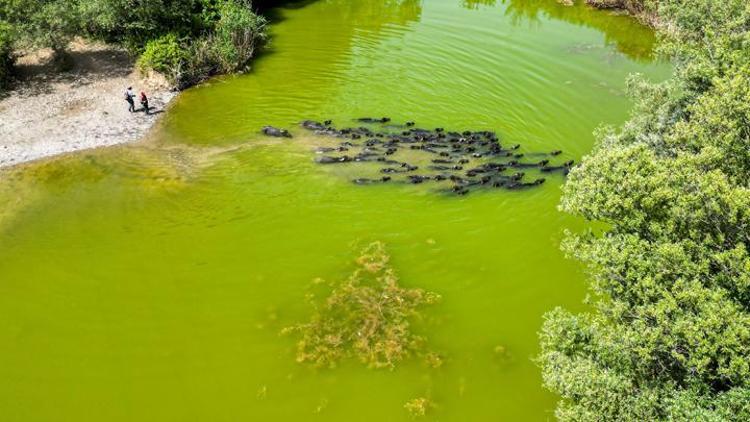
<point>130,98</point>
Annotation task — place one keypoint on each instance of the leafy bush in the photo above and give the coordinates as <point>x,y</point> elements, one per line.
<point>164,55</point>
<point>187,40</point>
<point>226,47</point>
<point>237,33</point>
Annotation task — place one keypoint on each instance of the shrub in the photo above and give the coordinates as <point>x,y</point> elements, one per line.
<point>164,55</point>
<point>200,63</point>
<point>237,33</point>
<point>234,33</point>
<point>229,47</point>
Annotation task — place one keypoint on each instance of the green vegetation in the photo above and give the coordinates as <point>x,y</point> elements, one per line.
<point>187,40</point>
<point>32,24</point>
<point>164,55</point>
<point>669,334</point>
<point>224,43</point>
<point>6,49</point>
<point>367,316</point>
<point>41,23</point>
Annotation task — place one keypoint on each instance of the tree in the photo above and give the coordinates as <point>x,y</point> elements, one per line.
<point>668,337</point>
<point>42,23</point>
<point>187,40</point>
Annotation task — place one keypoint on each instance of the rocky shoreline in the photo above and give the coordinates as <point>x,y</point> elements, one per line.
<point>49,113</point>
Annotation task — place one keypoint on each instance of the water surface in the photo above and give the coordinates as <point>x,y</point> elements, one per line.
<point>150,282</point>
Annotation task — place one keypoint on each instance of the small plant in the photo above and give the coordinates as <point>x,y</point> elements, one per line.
<point>367,316</point>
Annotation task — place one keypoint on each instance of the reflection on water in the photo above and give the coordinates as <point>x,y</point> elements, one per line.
<point>626,35</point>
<point>475,4</point>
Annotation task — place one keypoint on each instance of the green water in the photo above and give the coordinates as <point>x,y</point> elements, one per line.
<point>150,282</point>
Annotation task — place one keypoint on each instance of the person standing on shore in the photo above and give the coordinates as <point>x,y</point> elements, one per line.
<point>130,98</point>
<point>144,102</point>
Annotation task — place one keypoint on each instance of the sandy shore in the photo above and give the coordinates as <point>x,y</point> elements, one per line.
<point>49,113</point>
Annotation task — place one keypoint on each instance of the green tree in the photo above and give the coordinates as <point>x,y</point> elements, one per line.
<point>668,337</point>
<point>227,47</point>
<point>134,24</point>
<point>187,40</point>
<point>42,23</point>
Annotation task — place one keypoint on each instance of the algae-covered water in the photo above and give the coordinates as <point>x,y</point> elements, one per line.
<point>151,282</point>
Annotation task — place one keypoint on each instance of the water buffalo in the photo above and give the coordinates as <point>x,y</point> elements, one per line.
<point>416,179</point>
<point>332,160</point>
<point>276,132</point>
<point>565,167</point>
<point>364,181</point>
<point>470,160</point>
<point>522,185</point>
<point>374,120</point>
<point>313,125</point>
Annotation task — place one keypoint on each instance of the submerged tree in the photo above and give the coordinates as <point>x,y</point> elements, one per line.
<point>367,316</point>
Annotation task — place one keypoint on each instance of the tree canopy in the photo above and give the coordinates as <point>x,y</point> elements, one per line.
<point>188,40</point>
<point>668,336</point>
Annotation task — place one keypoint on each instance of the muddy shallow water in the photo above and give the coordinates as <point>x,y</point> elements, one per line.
<point>151,282</point>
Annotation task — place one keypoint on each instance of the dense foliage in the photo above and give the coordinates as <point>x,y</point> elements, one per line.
<point>6,49</point>
<point>163,54</point>
<point>188,40</point>
<point>668,337</point>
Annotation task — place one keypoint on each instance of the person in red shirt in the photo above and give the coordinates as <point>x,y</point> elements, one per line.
<point>144,102</point>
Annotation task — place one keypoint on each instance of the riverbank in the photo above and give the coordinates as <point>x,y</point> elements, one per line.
<point>49,113</point>
<point>636,8</point>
